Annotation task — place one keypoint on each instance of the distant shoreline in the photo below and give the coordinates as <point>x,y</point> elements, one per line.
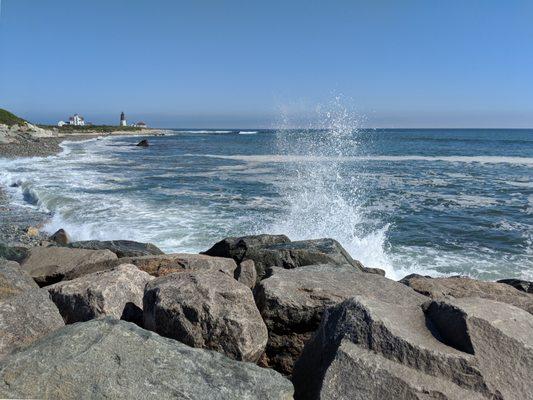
<point>49,146</point>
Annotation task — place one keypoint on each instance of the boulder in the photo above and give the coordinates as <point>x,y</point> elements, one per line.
<point>13,253</point>
<point>236,247</point>
<point>246,273</point>
<point>372,349</point>
<point>207,310</point>
<point>60,237</point>
<point>114,359</point>
<point>161,265</point>
<point>25,317</point>
<point>520,284</point>
<point>467,348</point>
<point>292,302</point>
<point>13,279</point>
<point>143,143</point>
<point>459,287</point>
<point>122,248</point>
<point>499,335</point>
<point>278,251</point>
<point>115,293</point>
<point>48,265</point>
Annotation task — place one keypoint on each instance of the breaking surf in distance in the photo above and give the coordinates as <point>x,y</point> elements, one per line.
<point>437,202</point>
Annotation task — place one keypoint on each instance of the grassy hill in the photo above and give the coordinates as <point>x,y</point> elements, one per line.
<point>10,119</point>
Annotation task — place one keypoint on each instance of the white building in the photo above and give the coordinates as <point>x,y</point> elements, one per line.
<point>140,124</point>
<point>76,120</point>
<point>123,119</point>
<point>61,123</point>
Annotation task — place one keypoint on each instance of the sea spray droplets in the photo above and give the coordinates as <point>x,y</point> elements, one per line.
<point>324,197</point>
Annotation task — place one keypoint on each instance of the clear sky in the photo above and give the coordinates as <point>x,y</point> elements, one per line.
<point>199,63</point>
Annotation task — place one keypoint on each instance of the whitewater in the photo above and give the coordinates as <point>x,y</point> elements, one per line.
<point>438,202</point>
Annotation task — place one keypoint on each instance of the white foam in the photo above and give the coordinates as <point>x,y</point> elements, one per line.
<point>319,158</point>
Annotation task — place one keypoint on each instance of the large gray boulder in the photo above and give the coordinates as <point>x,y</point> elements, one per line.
<point>459,287</point>
<point>372,349</point>
<point>161,265</point>
<point>48,265</point>
<point>26,317</point>
<point>278,251</point>
<point>499,335</point>
<point>207,310</point>
<point>122,248</point>
<point>114,359</point>
<point>116,293</point>
<point>237,247</point>
<point>292,301</point>
<point>13,279</point>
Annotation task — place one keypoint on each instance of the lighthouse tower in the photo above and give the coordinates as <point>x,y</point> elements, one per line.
<point>123,119</point>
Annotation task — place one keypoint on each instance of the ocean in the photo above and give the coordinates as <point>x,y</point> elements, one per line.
<point>427,201</point>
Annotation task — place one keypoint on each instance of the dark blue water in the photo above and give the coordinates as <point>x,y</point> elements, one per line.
<point>427,201</point>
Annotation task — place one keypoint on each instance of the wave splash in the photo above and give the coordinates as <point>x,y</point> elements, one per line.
<point>324,199</point>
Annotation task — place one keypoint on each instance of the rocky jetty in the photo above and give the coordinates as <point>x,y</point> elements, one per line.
<point>254,317</point>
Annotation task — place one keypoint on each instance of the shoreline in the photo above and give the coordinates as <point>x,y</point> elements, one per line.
<point>15,227</point>
<point>49,146</point>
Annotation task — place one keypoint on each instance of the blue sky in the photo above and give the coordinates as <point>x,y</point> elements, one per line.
<point>254,64</point>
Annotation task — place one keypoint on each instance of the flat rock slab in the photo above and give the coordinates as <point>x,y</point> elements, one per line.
<point>161,265</point>
<point>116,293</point>
<point>117,360</point>
<point>13,280</point>
<point>122,248</point>
<point>25,318</point>
<point>48,265</point>
<point>292,302</point>
<point>459,287</point>
<point>206,310</point>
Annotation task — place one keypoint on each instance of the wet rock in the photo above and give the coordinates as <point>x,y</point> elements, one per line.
<point>246,273</point>
<point>122,248</point>
<point>143,143</point>
<point>108,358</point>
<point>206,310</point>
<point>278,251</point>
<point>116,293</point>
<point>292,302</point>
<point>236,247</point>
<point>520,284</point>
<point>499,335</point>
<point>459,287</point>
<point>48,265</point>
<point>60,237</point>
<point>13,280</point>
<point>25,317</point>
<point>13,253</point>
<point>161,265</point>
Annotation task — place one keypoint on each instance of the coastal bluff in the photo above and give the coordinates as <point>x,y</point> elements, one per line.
<point>252,317</point>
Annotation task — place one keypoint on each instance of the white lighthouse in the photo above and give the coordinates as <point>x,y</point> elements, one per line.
<point>123,119</point>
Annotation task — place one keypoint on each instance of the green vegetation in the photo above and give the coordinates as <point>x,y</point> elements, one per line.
<point>9,119</point>
<point>90,128</point>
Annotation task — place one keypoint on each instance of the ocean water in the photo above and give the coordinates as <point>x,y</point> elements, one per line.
<point>439,202</point>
